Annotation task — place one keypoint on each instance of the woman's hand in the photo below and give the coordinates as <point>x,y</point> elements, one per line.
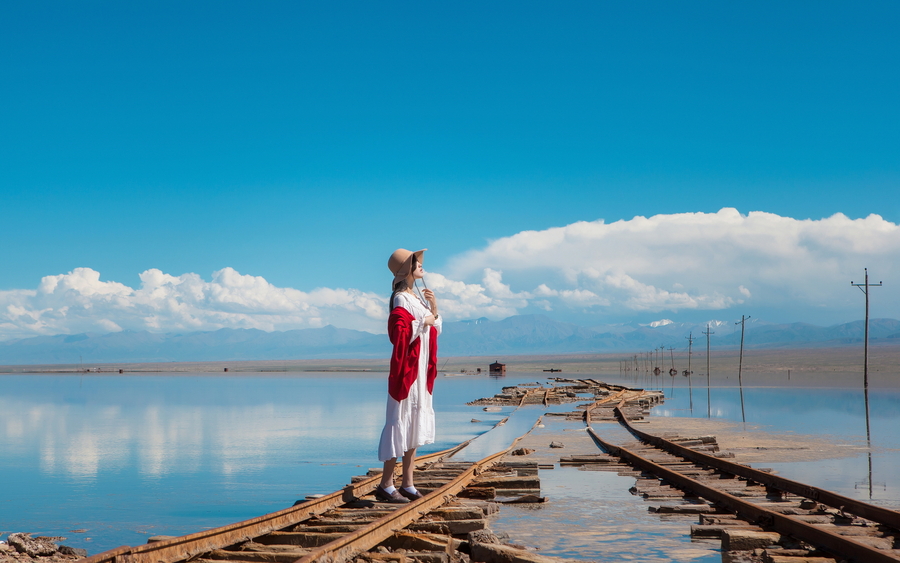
<point>432,300</point>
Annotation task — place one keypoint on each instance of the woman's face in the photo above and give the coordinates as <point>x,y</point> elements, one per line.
<point>418,273</point>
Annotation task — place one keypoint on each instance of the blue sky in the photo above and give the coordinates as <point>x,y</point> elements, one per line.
<point>300,143</point>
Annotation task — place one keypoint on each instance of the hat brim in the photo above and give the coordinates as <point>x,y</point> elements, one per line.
<point>405,268</point>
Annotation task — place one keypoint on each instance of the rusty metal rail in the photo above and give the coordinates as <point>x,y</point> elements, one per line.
<point>186,547</point>
<point>862,509</point>
<point>371,535</point>
<point>191,546</point>
<point>842,546</point>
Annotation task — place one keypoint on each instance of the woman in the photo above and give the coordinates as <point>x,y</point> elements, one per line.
<point>413,327</point>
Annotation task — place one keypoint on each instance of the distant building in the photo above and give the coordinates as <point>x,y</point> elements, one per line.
<point>497,368</point>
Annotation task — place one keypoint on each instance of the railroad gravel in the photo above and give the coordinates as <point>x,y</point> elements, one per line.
<point>24,548</point>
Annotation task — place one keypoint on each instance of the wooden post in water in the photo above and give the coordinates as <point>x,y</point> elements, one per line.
<point>741,367</point>
<point>708,407</point>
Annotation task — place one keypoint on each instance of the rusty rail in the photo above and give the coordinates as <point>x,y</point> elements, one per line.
<point>185,547</point>
<point>608,399</point>
<point>190,546</point>
<point>525,397</point>
<point>371,535</point>
<point>872,512</point>
<point>834,543</point>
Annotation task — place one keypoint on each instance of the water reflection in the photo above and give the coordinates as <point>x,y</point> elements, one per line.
<point>160,439</point>
<point>870,473</point>
<point>519,422</point>
<point>128,457</point>
<point>592,516</point>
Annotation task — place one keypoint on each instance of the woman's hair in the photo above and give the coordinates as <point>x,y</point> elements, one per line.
<point>401,285</point>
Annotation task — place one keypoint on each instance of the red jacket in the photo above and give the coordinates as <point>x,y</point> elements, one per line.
<point>405,359</point>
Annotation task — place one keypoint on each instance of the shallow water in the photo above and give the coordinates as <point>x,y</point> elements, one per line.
<point>127,457</point>
<point>591,515</point>
<point>837,413</point>
<point>130,457</point>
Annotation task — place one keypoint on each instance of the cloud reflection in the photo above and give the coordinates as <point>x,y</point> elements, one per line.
<point>84,441</point>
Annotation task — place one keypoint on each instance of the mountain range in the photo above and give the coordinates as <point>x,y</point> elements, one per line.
<point>517,335</point>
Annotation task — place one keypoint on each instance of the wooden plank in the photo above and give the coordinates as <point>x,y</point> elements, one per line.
<point>418,542</point>
<point>716,531</point>
<point>450,527</point>
<point>302,539</point>
<point>457,513</point>
<point>507,554</point>
<point>790,559</point>
<point>748,540</point>
<point>683,509</point>
<point>257,556</point>
<point>508,482</point>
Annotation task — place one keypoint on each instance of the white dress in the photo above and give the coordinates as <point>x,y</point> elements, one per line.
<point>410,423</point>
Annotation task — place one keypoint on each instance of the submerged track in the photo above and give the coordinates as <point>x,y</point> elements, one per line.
<point>346,523</point>
<point>749,508</point>
<point>833,524</point>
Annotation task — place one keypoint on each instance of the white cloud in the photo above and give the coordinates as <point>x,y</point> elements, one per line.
<point>675,263</point>
<point>459,300</point>
<point>708,261</point>
<point>572,297</point>
<point>80,302</point>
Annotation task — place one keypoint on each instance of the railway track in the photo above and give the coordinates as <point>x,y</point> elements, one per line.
<point>344,525</point>
<point>766,517</point>
<point>750,509</point>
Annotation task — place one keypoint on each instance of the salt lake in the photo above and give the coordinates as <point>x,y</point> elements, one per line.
<point>125,457</point>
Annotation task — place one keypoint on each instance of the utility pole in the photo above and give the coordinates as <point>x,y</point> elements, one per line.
<point>708,407</point>
<point>690,339</point>
<point>741,366</point>
<point>864,287</point>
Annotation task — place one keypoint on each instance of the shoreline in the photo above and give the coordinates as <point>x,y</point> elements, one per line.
<point>841,367</point>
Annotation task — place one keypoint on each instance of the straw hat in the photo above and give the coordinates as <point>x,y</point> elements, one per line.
<point>400,262</point>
